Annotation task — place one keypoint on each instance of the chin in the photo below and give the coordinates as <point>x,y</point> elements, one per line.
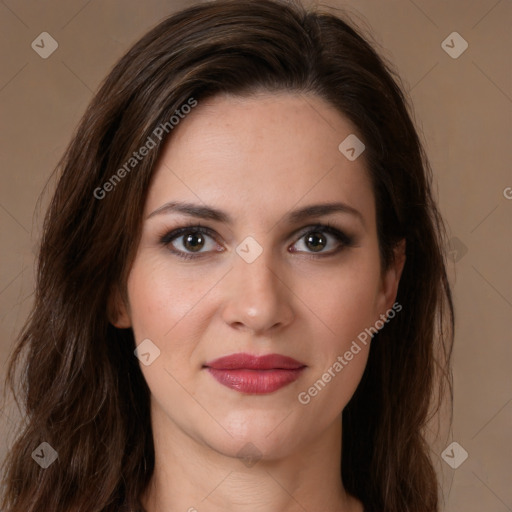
<point>255,435</point>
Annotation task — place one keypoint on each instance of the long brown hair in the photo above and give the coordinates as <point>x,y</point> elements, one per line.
<point>81,386</point>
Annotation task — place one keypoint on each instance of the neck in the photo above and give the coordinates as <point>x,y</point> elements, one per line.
<point>191,476</point>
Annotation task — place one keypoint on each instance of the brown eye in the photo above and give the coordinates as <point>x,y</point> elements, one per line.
<point>315,241</point>
<point>193,241</point>
<point>324,240</point>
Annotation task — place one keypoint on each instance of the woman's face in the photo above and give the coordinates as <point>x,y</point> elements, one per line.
<point>265,275</point>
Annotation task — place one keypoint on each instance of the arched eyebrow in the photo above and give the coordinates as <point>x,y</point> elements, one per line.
<point>294,217</point>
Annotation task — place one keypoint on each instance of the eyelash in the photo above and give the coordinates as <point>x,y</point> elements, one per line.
<point>169,236</point>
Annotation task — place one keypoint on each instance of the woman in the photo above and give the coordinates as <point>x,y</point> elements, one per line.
<point>241,296</point>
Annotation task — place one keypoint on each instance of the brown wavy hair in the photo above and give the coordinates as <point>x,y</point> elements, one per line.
<point>81,386</point>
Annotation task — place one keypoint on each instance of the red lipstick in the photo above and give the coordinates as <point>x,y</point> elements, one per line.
<point>255,374</point>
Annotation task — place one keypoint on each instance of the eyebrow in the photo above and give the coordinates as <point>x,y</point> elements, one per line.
<point>296,216</point>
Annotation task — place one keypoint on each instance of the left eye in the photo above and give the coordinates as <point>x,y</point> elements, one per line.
<point>322,239</point>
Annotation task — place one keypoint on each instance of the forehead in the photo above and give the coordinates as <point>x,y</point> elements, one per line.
<point>263,154</point>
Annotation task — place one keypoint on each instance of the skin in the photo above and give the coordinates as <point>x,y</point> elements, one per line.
<point>257,158</point>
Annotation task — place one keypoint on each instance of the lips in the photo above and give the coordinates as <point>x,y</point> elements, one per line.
<point>247,373</point>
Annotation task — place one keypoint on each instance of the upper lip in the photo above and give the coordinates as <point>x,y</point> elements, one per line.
<point>243,361</point>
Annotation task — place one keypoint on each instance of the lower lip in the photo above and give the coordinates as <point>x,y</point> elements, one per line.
<point>255,381</point>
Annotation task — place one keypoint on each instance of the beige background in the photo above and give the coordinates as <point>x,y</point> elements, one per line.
<point>462,106</point>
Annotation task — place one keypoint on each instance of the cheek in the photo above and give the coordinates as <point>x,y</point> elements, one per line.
<point>172,308</point>
<point>329,390</point>
<point>162,296</point>
<point>165,307</point>
<point>342,352</point>
<point>345,298</point>
<point>345,301</point>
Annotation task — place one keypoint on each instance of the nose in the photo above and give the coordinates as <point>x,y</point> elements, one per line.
<point>258,298</point>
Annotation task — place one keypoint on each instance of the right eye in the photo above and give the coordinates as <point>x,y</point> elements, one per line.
<point>188,242</point>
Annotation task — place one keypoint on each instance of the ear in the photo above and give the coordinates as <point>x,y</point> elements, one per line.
<point>118,310</point>
<point>391,278</point>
